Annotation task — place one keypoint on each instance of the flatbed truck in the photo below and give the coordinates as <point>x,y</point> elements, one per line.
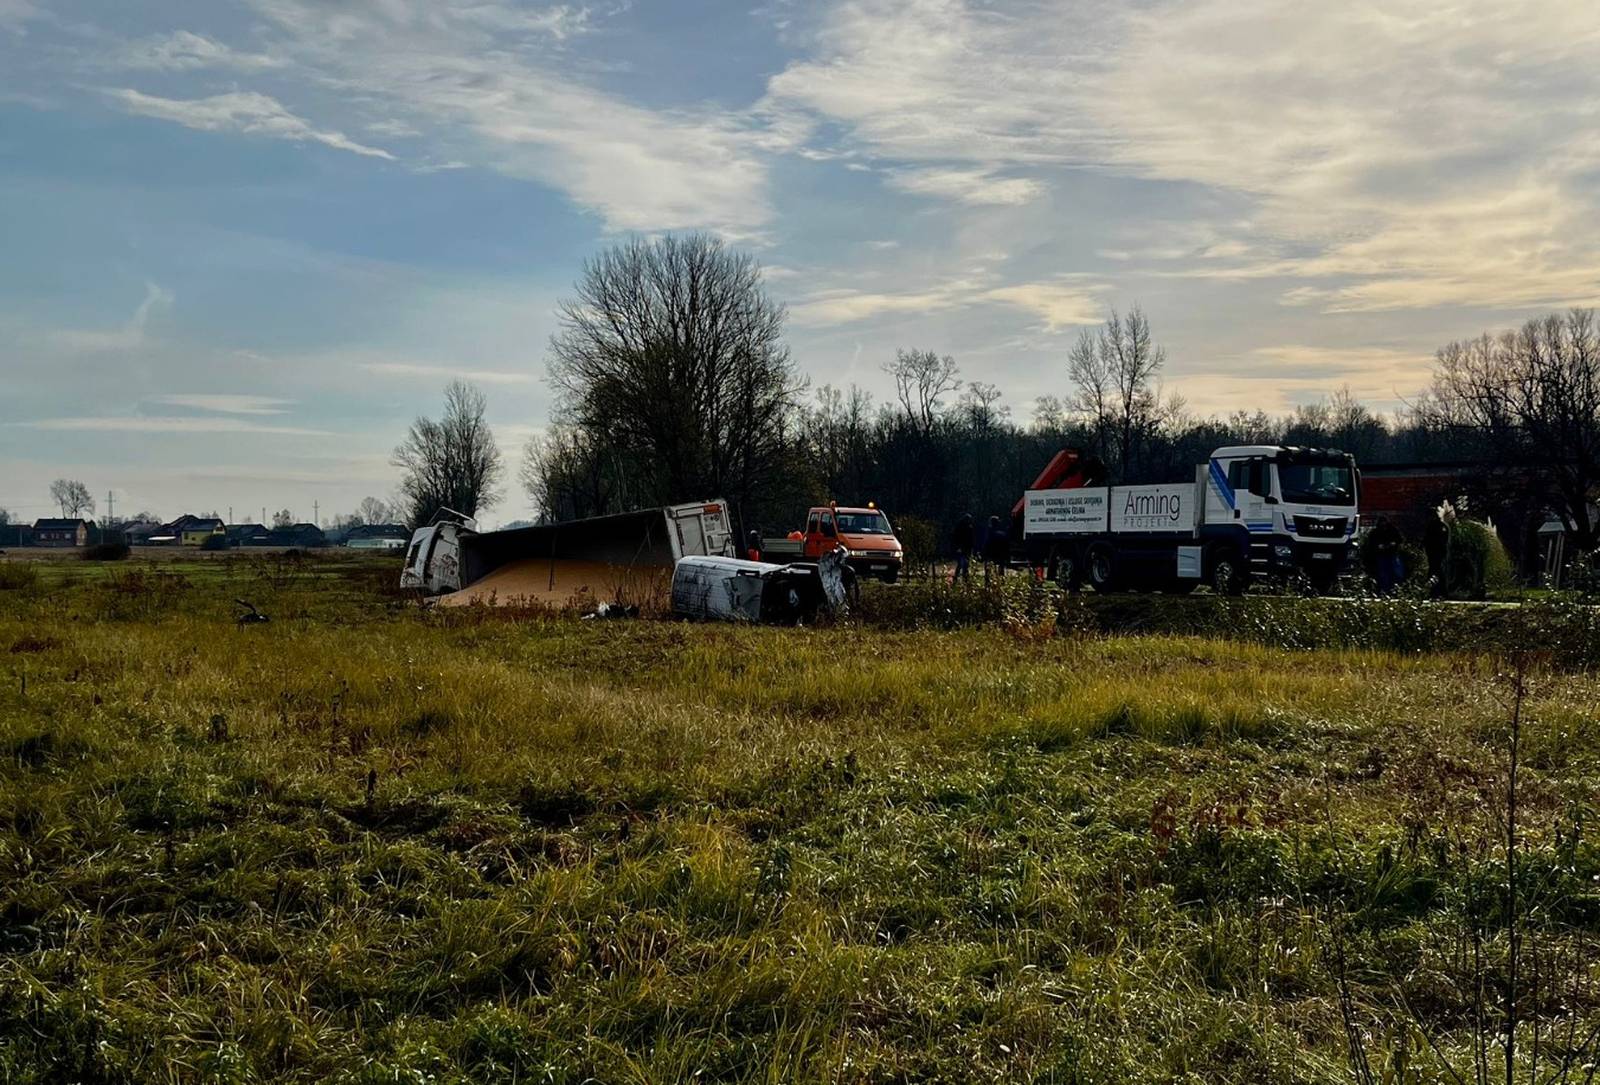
<point>1250,513</point>
<point>870,545</point>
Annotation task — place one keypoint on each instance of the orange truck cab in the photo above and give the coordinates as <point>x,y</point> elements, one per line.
<point>864,532</point>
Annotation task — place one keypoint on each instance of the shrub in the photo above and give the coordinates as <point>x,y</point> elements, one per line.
<point>106,551</point>
<point>1476,564</point>
<point>920,539</point>
<point>16,575</point>
<point>215,542</point>
<point>1014,600</point>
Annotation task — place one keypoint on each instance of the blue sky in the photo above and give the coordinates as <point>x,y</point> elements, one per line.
<point>248,240</point>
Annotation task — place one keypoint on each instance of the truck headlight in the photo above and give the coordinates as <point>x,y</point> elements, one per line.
<point>1284,553</point>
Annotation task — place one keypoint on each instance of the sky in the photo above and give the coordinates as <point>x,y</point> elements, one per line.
<point>247,241</point>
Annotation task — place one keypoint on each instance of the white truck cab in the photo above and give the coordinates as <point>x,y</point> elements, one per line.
<point>433,557</point>
<point>1285,509</point>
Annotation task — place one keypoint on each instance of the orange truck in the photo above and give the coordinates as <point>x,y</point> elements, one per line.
<point>864,532</point>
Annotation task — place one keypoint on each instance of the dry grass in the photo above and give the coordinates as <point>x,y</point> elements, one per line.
<point>368,842</point>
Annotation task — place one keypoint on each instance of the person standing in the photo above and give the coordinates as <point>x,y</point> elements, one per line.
<point>752,548</point>
<point>961,541</point>
<point>997,546</point>
<point>1386,548</point>
<point>1436,544</point>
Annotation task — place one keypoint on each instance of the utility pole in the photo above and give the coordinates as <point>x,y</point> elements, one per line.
<point>230,514</point>
<point>316,515</point>
<point>111,508</point>
<point>263,515</point>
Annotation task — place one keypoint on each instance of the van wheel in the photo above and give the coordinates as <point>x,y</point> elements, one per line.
<point>1102,568</point>
<point>1228,576</point>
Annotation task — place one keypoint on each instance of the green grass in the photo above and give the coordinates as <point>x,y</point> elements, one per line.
<point>367,842</point>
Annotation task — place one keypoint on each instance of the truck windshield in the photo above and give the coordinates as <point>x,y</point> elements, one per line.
<point>863,523</point>
<point>1317,483</point>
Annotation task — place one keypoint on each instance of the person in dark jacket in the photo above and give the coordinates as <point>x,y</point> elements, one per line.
<point>997,545</point>
<point>961,542</point>
<point>1386,549</point>
<point>752,546</point>
<point>1436,545</point>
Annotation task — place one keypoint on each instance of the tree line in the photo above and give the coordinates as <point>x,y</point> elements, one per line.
<point>674,384</point>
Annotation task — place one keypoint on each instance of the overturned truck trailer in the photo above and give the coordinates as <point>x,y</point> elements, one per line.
<point>601,557</point>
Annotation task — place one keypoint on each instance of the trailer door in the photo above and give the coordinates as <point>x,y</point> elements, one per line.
<point>691,534</point>
<point>702,528</point>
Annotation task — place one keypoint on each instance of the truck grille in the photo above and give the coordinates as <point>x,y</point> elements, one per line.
<point>1317,527</point>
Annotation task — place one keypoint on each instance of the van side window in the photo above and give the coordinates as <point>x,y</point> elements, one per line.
<point>1258,477</point>
<point>827,526</point>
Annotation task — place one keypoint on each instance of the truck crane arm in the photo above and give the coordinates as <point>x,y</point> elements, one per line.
<point>1069,469</point>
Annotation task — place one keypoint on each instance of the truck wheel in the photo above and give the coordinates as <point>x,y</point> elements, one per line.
<point>1323,583</point>
<point>1102,569</point>
<point>1228,576</point>
<point>1068,575</point>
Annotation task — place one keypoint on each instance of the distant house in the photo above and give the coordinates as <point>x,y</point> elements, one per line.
<point>61,532</point>
<point>142,534</point>
<point>300,535</point>
<point>16,535</point>
<point>197,529</point>
<point>377,537</point>
<point>249,535</point>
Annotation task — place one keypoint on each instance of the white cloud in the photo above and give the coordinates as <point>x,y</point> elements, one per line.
<point>487,81</point>
<point>129,336</point>
<point>240,111</point>
<point>434,372</point>
<point>1058,303</point>
<point>1276,378</point>
<point>226,404</point>
<point>966,186</point>
<point>173,425</point>
<point>1404,157</point>
<point>13,13</point>
<point>185,51</point>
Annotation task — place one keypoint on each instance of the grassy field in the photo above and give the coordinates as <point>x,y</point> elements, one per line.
<point>367,842</point>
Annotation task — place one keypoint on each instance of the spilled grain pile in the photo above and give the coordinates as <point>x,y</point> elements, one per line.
<point>565,582</point>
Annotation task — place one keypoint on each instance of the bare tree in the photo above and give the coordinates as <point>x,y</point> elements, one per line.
<point>671,357</point>
<point>1049,415</point>
<point>981,408</point>
<point>567,473</point>
<point>1532,398</point>
<point>375,510</point>
<point>72,496</point>
<point>5,517</point>
<point>283,518</point>
<point>922,379</point>
<point>838,433</point>
<point>453,463</point>
<point>1089,370</point>
<point>1115,375</point>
